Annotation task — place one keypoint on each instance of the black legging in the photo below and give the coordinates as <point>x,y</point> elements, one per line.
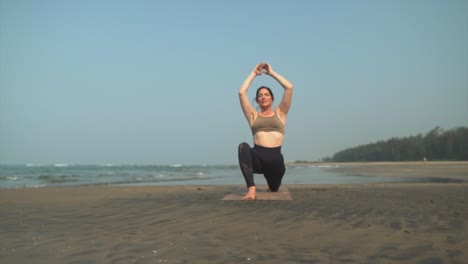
<point>258,159</point>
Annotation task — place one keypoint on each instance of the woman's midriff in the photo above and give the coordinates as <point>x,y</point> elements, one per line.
<point>270,139</point>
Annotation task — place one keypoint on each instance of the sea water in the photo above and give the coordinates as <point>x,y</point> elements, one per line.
<point>33,175</point>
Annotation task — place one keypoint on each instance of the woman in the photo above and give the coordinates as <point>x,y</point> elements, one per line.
<point>267,129</point>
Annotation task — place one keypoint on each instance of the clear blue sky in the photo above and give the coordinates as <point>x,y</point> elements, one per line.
<point>156,81</point>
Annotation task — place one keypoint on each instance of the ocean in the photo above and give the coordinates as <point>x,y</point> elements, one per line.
<point>56,175</point>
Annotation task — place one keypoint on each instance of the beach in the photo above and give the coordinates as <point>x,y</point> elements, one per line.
<point>327,223</point>
<point>448,170</point>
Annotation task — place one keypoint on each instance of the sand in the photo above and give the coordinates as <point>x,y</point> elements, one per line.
<point>262,193</point>
<point>443,171</point>
<point>362,223</point>
<point>369,223</point>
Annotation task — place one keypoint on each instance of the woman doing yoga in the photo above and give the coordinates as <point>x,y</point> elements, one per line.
<point>268,126</point>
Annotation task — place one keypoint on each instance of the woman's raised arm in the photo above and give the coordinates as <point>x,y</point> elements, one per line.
<point>249,111</point>
<point>285,103</point>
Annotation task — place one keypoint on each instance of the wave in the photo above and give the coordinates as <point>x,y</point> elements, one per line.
<point>9,178</point>
<point>323,166</point>
<point>57,178</point>
<point>36,186</point>
<point>59,174</point>
<point>106,165</point>
<point>33,165</point>
<point>61,165</point>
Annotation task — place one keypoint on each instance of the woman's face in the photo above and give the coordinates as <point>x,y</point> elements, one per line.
<point>264,98</point>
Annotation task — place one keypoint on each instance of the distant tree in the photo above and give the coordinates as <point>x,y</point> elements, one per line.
<point>437,144</point>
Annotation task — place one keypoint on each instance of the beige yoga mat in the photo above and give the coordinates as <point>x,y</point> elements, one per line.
<point>262,194</point>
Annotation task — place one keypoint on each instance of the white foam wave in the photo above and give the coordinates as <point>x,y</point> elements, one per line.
<point>36,186</point>
<point>32,165</point>
<point>323,166</point>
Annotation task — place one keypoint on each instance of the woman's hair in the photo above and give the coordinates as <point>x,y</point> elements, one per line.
<point>264,87</point>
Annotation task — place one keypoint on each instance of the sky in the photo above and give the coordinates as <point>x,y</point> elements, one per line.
<point>156,82</point>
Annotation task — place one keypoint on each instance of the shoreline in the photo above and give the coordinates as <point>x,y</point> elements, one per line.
<point>457,170</point>
<point>303,173</point>
<point>360,163</point>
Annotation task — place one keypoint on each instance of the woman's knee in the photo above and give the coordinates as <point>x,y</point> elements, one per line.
<point>274,188</point>
<point>243,146</point>
<point>274,179</point>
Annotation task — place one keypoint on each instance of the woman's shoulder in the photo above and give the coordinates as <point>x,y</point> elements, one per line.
<point>282,116</point>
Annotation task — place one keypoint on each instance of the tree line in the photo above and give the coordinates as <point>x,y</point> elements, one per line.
<point>437,144</point>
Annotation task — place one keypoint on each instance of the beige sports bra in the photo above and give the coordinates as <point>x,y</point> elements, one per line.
<point>267,124</point>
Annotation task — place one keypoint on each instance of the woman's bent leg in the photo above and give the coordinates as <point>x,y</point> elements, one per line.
<point>274,169</point>
<point>246,163</point>
<point>274,173</point>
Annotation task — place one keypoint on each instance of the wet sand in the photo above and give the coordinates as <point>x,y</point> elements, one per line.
<point>369,223</point>
<point>434,169</point>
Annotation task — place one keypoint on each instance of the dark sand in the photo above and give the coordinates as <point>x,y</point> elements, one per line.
<point>370,223</point>
<point>263,193</point>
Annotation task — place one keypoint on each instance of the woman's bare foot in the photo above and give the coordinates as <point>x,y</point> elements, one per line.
<point>250,194</point>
